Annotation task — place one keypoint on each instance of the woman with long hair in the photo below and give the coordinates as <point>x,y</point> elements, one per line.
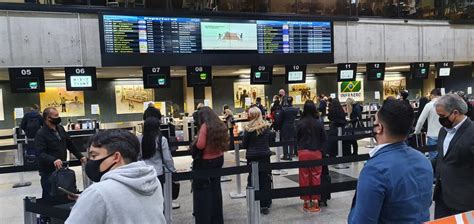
<point>155,149</point>
<point>311,138</point>
<point>256,140</point>
<point>212,142</point>
<point>337,118</point>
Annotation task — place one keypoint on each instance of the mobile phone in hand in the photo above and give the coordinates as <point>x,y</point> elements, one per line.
<point>66,191</point>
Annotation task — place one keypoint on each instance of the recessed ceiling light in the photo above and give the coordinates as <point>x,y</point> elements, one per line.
<point>57,74</point>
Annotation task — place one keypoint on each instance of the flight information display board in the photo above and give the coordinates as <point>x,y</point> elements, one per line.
<point>141,34</point>
<point>130,40</point>
<point>293,37</point>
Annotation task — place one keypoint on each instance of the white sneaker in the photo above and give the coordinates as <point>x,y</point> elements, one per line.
<point>175,205</point>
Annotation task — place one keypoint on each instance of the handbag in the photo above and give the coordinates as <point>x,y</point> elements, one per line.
<point>64,178</point>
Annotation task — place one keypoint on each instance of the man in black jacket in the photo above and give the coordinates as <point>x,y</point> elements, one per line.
<point>51,141</point>
<point>454,191</point>
<point>32,122</point>
<point>322,108</point>
<point>288,129</point>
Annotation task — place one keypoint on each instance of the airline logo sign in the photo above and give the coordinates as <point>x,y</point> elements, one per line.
<point>351,89</point>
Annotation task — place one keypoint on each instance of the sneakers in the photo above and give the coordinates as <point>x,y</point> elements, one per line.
<point>312,206</point>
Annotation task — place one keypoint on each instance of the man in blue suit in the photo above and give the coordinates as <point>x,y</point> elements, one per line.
<point>395,185</point>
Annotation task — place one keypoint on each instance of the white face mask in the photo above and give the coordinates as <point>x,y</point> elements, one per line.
<point>398,97</point>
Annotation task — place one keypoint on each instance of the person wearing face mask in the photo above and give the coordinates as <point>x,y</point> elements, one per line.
<point>51,141</point>
<point>454,191</point>
<point>126,190</point>
<point>395,184</point>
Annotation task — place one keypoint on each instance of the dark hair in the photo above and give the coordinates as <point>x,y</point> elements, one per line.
<point>151,132</point>
<point>152,112</point>
<point>309,110</point>
<point>118,141</point>
<point>217,135</point>
<point>226,107</point>
<point>321,96</point>
<point>404,94</point>
<point>47,112</point>
<point>397,117</point>
<point>259,99</point>
<point>436,92</point>
<point>422,103</point>
<point>35,107</point>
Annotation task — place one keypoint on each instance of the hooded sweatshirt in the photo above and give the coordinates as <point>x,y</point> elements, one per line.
<point>126,195</point>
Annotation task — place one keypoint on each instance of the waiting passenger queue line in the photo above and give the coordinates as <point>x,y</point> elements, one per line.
<point>35,206</point>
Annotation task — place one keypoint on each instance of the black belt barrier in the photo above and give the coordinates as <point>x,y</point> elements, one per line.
<point>45,209</point>
<point>8,147</point>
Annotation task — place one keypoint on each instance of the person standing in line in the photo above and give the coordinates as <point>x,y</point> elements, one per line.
<point>229,121</point>
<point>454,192</point>
<point>403,96</point>
<point>242,98</point>
<point>354,111</point>
<point>337,118</point>
<point>51,141</point>
<point>31,124</point>
<point>155,150</point>
<point>311,138</point>
<point>259,105</point>
<point>152,111</point>
<point>212,142</point>
<point>125,190</point>
<point>429,112</point>
<point>256,140</point>
<point>288,132</point>
<point>322,108</point>
<point>391,189</point>
<point>283,98</point>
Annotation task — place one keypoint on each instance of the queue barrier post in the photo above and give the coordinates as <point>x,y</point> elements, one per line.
<point>239,193</point>
<point>278,155</point>
<point>250,205</point>
<point>339,150</point>
<point>168,197</point>
<point>256,187</point>
<point>371,124</point>
<point>29,217</point>
<point>19,161</point>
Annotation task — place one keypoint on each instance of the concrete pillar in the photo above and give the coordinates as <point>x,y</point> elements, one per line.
<point>188,97</point>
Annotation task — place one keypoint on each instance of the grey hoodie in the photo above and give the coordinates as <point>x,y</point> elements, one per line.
<point>128,194</point>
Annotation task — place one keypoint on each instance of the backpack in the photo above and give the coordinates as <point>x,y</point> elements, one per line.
<point>278,116</point>
<point>64,178</point>
<point>32,126</point>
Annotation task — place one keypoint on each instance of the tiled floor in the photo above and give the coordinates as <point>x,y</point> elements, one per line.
<point>287,210</point>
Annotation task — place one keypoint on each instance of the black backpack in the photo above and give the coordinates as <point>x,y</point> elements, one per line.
<point>64,178</point>
<point>32,126</point>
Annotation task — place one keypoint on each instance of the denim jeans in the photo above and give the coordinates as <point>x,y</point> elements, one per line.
<point>432,141</point>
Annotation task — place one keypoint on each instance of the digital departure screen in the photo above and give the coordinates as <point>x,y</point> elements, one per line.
<point>375,71</point>
<point>284,37</point>
<point>261,74</point>
<point>420,70</point>
<point>142,34</point>
<point>26,80</point>
<point>131,40</point>
<point>156,77</point>
<point>199,76</point>
<point>346,72</point>
<point>295,74</point>
<point>81,78</point>
<point>444,68</point>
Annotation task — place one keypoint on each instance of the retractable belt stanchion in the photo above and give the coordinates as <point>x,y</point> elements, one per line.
<point>371,124</point>
<point>339,150</point>
<point>168,197</point>
<point>253,207</point>
<point>19,161</point>
<point>278,155</point>
<point>239,193</point>
<point>29,217</point>
<point>256,186</point>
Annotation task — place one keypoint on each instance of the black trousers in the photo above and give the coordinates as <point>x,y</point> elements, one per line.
<point>207,194</point>
<point>442,210</point>
<point>332,145</point>
<point>264,179</point>
<point>289,150</point>
<point>231,139</point>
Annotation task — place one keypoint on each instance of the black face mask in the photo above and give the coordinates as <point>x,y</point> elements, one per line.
<point>446,122</point>
<point>93,168</point>
<point>56,120</point>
